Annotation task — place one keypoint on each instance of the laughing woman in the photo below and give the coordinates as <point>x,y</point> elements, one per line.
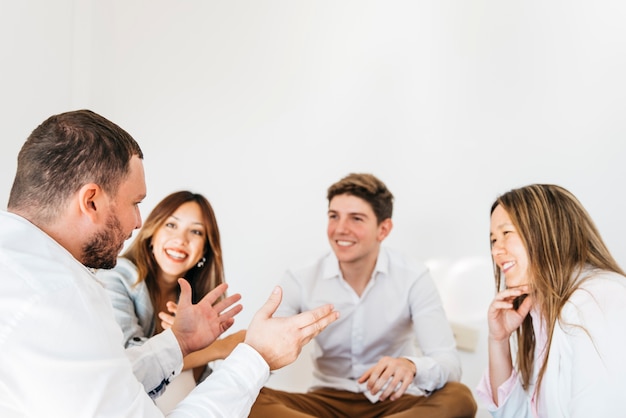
<point>565,298</point>
<point>179,238</point>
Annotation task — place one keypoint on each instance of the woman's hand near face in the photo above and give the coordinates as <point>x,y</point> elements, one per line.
<point>502,317</point>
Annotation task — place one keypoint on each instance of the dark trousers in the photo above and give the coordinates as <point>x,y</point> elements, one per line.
<point>454,400</point>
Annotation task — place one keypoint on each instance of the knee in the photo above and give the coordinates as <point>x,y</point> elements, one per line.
<point>459,400</point>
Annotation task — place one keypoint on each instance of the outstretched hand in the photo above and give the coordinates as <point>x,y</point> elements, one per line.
<point>280,340</point>
<point>196,326</point>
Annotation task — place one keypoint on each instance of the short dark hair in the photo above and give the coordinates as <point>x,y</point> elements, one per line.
<point>367,187</point>
<point>64,153</point>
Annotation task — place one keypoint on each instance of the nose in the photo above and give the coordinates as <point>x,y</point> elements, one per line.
<point>496,249</point>
<point>341,225</point>
<point>180,234</point>
<point>138,221</point>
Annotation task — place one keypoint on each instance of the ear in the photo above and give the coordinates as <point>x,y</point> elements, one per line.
<point>92,201</point>
<point>384,228</point>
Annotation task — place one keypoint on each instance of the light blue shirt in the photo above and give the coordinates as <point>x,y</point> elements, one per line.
<point>399,311</point>
<point>131,302</point>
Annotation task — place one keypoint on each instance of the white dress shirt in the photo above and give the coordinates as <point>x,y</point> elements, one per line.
<point>399,310</point>
<point>586,371</point>
<point>61,351</point>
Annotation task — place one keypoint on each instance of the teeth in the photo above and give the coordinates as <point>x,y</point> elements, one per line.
<point>507,265</point>
<point>344,243</point>
<point>176,254</point>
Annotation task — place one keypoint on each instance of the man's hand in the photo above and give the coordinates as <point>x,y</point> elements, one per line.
<point>280,340</point>
<point>396,373</point>
<point>196,326</point>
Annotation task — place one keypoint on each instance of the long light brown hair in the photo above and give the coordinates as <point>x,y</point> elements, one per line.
<point>561,240</point>
<point>202,279</point>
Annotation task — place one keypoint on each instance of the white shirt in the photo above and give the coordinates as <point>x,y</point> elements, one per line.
<point>586,371</point>
<point>61,352</point>
<point>399,307</point>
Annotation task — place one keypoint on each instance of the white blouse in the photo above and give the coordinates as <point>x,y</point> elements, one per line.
<point>586,370</point>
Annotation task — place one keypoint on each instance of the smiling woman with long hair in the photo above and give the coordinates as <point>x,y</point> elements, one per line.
<point>180,238</point>
<point>564,296</point>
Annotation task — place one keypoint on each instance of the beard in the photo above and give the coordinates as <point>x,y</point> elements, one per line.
<point>102,249</point>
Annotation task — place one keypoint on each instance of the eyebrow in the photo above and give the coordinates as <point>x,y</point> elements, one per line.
<point>195,223</point>
<point>349,213</point>
<point>500,226</point>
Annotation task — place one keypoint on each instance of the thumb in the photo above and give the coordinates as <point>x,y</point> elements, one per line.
<point>185,293</point>
<point>268,309</point>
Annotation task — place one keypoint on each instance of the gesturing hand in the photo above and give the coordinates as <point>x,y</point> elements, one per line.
<point>196,326</point>
<point>280,340</point>
<point>502,317</point>
<point>167,319</point>
<point>396,373</point>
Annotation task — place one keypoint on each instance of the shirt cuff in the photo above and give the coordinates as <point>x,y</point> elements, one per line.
<point>172,351</point>
<point>428,378</point>
<point>484,392</point>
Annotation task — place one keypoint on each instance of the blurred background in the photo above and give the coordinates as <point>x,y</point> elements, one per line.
<point>261,105</point>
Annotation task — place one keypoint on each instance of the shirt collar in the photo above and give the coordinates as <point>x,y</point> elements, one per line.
<point>330,265</point>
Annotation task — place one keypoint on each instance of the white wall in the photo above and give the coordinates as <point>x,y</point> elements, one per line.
<point>261,105</point>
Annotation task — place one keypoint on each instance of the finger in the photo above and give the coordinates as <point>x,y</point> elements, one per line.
<point>392,385</point>
<point>378,380</point>
<point>225,303</point>
<point>166,324</point>
<point>165,317</point>
<point>400,390</point>
<point>311,331</point>
<point>511,293</point>
<point>185,293</point>
<point>212,296</point>
<point>497,305</point>
<point>374,378</point>
<point>224,325</point>
<point>526,305</point>
<point>172,307</point>
<point>230,314</point>
<point>365,375</point>
<point>307,318</point>
<point>375,373</point>
<point>272,303</point>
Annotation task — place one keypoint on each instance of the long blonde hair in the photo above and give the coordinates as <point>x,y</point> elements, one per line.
<point>560,239</point>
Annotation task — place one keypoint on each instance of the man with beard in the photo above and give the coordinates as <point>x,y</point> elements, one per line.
<point>73,203</point>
